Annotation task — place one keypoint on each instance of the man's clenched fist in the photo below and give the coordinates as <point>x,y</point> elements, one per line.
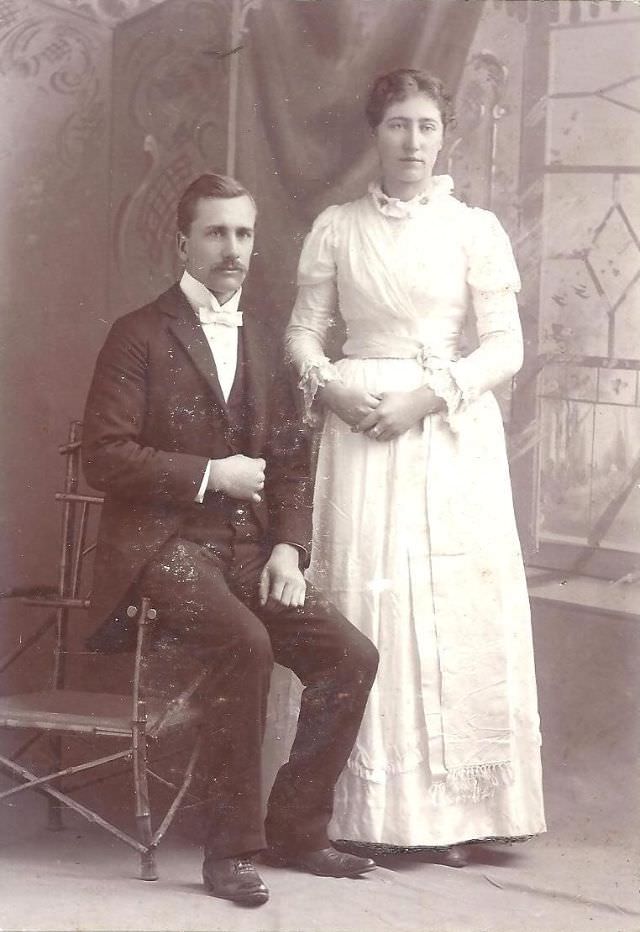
<point>238,476</point>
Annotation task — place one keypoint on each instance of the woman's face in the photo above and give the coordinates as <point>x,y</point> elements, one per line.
<point>408,139</point>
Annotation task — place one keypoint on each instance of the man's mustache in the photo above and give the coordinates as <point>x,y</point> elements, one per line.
<point>229,267</point>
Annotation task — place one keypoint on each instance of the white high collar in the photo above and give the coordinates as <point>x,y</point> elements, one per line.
<point>438,186</point>
<point>198,295</point>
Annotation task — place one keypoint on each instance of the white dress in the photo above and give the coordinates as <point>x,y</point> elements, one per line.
<point>415,539</point>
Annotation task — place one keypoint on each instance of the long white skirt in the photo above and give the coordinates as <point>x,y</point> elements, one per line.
<point>393,523</point>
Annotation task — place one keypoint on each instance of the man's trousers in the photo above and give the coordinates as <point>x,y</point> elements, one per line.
<point>210,622</point>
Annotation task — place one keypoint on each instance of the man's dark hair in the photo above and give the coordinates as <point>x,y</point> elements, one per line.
<point>208,185</point>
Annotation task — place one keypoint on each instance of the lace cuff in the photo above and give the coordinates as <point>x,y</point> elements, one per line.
<point>315,373</point>
<point>463,377</point>
<point>439,377</point>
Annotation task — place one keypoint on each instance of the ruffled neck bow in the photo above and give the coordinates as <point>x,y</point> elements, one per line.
<point>438,186</point>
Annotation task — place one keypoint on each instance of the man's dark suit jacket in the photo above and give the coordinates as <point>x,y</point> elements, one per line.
<point>155,415</point>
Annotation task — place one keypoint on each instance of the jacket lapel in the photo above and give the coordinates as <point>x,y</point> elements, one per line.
<point>186,328</point>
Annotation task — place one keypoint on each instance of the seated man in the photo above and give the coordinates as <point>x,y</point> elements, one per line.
<point>190,431</point>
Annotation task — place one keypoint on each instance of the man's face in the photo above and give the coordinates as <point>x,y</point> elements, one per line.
<point>217,248</point>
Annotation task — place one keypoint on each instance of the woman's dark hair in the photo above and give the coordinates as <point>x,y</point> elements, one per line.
<point>403,83</point>
<point>208,185</point>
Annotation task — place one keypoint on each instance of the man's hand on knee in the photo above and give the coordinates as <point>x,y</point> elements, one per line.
<point>281,582</point>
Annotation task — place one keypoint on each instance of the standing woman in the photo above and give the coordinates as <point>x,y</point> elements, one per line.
<point>414,533</point>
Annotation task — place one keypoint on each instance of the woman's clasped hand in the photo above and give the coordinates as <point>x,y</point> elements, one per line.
<point>381,416</point>
<point>396,413</point>
<point>351,405</point>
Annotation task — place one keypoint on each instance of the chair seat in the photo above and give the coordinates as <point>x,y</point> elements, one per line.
<point>93,713</point>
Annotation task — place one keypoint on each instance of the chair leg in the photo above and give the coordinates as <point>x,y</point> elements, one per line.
<point>54,806</point>
<point>148,868</point>
<point>54,816</point>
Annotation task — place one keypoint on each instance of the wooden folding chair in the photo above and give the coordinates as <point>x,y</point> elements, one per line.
<point>138,720</point>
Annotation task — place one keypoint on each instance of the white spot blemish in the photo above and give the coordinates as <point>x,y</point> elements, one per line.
<point>379,585</point>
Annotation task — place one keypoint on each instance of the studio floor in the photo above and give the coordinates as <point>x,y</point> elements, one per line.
<point>80,879</point>
<point>584,874</point>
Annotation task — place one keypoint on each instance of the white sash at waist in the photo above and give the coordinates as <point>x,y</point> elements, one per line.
<point>394,346</point>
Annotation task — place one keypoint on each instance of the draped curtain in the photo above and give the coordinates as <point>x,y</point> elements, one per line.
<point>302,139</point>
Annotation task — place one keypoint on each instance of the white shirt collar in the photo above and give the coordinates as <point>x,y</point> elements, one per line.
<point>198,295</point>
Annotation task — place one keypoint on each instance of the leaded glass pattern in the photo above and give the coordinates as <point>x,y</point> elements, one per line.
<point>589,324</point>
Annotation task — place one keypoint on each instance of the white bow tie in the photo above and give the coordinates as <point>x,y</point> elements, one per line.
<point>208,315</point>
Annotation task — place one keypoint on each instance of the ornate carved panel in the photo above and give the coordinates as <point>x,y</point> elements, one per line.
<point>54,86</point>
<point>52,56</point>
<point>170,124</point>
<point>104,11</point>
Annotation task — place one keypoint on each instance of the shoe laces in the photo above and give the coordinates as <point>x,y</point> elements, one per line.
<point>243,866</point>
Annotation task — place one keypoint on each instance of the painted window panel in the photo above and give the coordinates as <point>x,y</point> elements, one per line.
<point>624,533</point>
<point>577,383</point>
<point>590,131</point>
<point>616,448</point>
<point>627,325</point>
<point>617,386</point>
<point>614,258</point>
<point>575,206</point>
<point>590,286</point>
<point>582,60</point>
<point>573,315</point>
<point>593,12</point>
<point>628,191</point>
<point>565,469</point>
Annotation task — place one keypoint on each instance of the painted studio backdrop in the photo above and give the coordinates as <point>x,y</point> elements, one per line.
<point>111,107</point>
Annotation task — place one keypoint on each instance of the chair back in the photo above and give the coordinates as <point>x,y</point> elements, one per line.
<point>78,522</point>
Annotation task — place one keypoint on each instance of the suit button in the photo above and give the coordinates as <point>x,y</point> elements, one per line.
<point>241,511</point>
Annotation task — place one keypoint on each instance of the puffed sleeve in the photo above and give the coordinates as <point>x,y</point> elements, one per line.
<point>493,280</point>
<point>491,265</point>
<point>315,307</point>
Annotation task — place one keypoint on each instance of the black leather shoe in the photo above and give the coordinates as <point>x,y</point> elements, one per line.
<point>327,862</point>
<point>234,879</point>
<point>454,856</point>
